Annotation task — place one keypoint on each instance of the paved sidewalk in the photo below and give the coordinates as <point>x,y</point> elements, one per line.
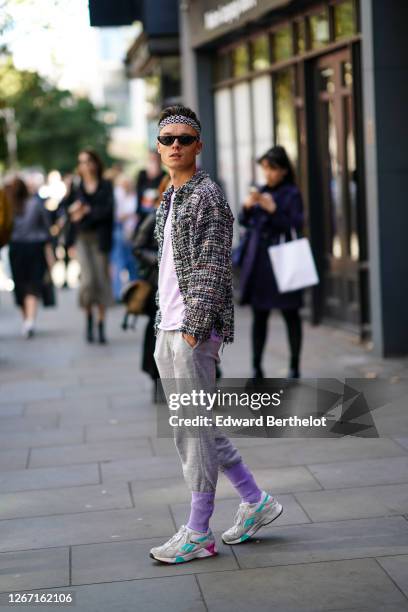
<point>86,487</point>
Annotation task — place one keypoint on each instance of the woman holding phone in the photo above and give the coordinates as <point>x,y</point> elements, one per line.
<point>270,213</point>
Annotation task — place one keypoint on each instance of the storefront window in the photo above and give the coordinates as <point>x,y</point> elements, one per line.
<point>262,118</point>
<point>344,20</point>
<point>240,61</point>
<point>225,142</point>
<point>241,94</point>
<point>285,112</point>
<point>260,53</point>
<point>300,36</point>
<point>222,67</point>
<point>283,44</point>
<point>319,30</point>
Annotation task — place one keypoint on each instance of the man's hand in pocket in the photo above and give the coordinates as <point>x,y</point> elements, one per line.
<point>191,340</point>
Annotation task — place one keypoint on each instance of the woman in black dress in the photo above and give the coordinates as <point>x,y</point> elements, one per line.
<point>27,251</point>
<point>90,209</point>
<point>269,214</point>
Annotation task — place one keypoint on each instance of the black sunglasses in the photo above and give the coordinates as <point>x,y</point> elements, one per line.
<point>185,140</point>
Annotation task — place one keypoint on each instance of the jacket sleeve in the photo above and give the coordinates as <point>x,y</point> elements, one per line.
<point>212,269</point>
<point>289,213</point>
<point>102,211</point>
<point>244,217</point>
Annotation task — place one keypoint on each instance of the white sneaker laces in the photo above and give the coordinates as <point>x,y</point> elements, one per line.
<point>177,536</point>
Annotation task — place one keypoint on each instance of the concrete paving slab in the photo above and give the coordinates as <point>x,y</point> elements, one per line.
<point>129,560</point>
<point>313,587</point>
<point>84,528</point>
<point>96,404</point>
<point>32,390</point>
<point>117,430</point>
<point>33,439</point>
<point>90,452</point>
<point>364,472</point>
<point>318,450</point>
<point>34,569</point>
<point>142,469</point>
<point>357,502</point>
<point>402,441</point>
<point>64,500</point>
<point>179,593</point>
<point>13,459</point>
<point>49,478</point>
<point>20,424</point>
<point>11,410</point>
<point>397,568</point>
<point>324,542</point>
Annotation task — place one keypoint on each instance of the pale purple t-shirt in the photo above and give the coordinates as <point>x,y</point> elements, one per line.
<point>171,302</point>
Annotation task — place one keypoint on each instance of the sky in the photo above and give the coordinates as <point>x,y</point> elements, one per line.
<point>54,37</point>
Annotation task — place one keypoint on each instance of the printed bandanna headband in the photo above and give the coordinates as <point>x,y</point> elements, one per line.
<point>180,119</point>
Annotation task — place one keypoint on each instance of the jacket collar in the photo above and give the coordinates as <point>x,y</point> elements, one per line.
<point>188,186</point>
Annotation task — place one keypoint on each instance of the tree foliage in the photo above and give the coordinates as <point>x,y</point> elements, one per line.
<point>52,124</point>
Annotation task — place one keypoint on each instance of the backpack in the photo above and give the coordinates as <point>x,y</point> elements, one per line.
<point>6,219</point>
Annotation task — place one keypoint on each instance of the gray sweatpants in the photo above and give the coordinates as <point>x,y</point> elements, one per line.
<point>209,450</point>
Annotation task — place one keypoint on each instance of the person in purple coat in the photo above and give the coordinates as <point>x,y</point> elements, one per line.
<point>269,214</point>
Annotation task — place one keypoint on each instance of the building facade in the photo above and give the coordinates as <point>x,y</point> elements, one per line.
<point>311,76</point>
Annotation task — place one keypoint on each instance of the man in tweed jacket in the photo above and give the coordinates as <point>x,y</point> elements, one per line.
<point>195,317</point>
<point>201,227</point>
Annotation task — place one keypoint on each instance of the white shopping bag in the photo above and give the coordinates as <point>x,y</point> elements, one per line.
<point>293,265</point>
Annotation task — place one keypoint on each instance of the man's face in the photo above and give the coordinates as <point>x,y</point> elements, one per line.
<point>177,156</point>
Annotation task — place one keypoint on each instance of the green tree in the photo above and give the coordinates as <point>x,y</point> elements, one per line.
<point>52,124</point>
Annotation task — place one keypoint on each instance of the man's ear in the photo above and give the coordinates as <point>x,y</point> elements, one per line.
<point>199,147</point>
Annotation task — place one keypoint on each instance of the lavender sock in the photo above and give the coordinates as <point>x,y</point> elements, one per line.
<point>241,478</point>
<point>202,507</point>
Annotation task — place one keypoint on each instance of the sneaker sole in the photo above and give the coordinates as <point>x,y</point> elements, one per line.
<point>203,553</point>
<point>254,529</point>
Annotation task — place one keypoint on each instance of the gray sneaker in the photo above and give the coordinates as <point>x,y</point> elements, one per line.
<point>251,517</point>
<point>185,545</point>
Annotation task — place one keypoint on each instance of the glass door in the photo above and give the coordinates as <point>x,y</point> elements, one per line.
<point>338,187</point>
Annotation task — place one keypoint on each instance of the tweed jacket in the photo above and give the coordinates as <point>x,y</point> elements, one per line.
<point>201,234</point>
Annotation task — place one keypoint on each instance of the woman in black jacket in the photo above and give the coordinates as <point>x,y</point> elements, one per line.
<point>90,209</point>
<point>270,214</point>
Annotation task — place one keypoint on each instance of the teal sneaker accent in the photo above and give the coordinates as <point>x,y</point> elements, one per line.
<point>261,507</point>
<point>203,539</point>
<point>251,517</point>
<point>184,546</point>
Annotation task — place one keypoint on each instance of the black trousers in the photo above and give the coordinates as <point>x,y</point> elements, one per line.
<point>260,332</point>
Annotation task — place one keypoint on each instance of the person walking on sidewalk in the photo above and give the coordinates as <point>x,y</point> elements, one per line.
<point>90,209</point>
<point>269,214</point>
<point>29,248</point>
<point>195,316</point>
